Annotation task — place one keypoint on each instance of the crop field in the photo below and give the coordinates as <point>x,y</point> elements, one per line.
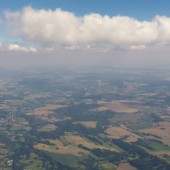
<point>85,120</point>
<point>161,130</point>
<point>116,106</point>
<point>88,124</point>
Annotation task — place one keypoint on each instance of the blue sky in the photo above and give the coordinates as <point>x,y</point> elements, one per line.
<point>140,9</point>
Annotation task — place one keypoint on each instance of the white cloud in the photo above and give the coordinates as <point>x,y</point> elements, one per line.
<point>137,47</point>
<point>16,48</point>
<point>64,28</point>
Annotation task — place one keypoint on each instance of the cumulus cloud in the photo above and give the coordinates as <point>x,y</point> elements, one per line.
<point>60,27</point>
<point>16,48</point>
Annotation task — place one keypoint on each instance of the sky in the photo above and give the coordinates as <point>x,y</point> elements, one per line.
<point>128,33</point>
<point>145,9</point>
